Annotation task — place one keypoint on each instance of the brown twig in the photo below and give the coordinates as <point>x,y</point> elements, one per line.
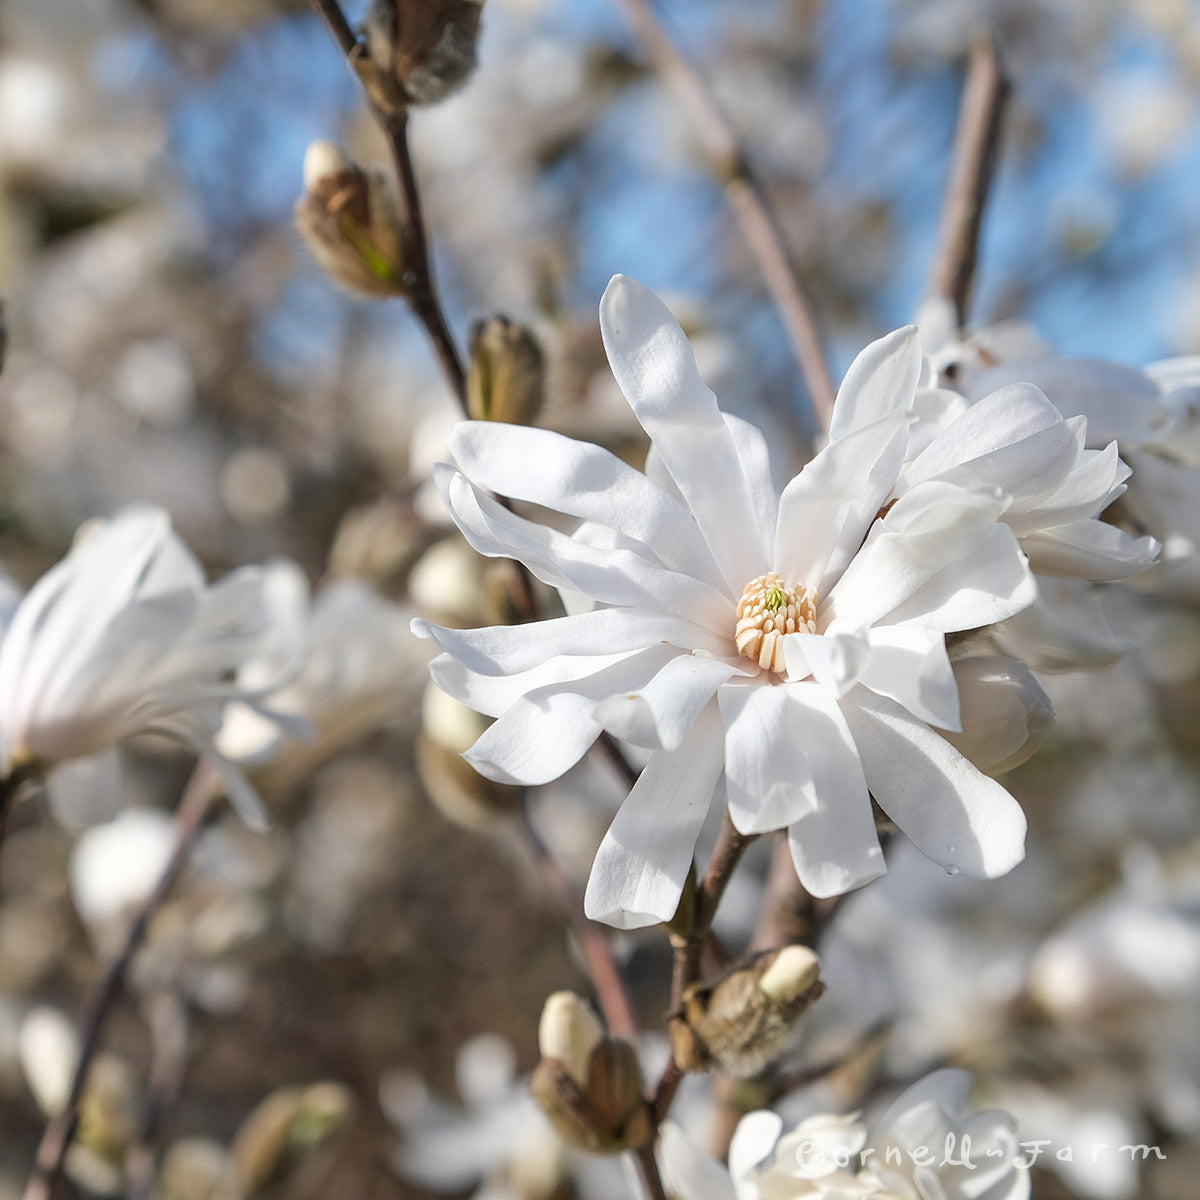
<point>199,798</point>
<point>976,142</point>
<point>689,947</point>
<point>746,197</point>
<point>593,940</point>
<point>648,1165</point>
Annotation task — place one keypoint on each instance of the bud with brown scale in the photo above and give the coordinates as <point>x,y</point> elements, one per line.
<point>743,1021</point>
<point>350,223</point>
<point>507,380</point>
<point>589,1085</point>
<point>417,51</point>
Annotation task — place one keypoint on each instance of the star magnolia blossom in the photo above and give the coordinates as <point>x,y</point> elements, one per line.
<point>123,637</point>
<point>924,1145</point>
<point>782,652</point>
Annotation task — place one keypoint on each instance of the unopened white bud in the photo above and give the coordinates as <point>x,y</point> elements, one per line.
<point>792,974</point>
<point>321,160</point>
<point>568,1032</point>
<point>48,1049</point>
<point>1005,714</point>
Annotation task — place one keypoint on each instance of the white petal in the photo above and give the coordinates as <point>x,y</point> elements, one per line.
<point>610,576</point>
<point>508,649</point>
<point>949,810</point>
<point>1064,629</point>
<point>655,368</point>
<point>881,380</point>
<point>546,732</point>
<point>658,715</point>
<point>753,1142</point>
<point>1096,479</point>
<point>584,481</point>
<point>911,666</point>
<point>767,775</point>
<point>753,453</point>
<point>688,1172</point>
<point>926,529</point>
<point>835,848</point>
<point>640,868</point>
<point>988,584</point>
<point>826,510</point>
<point>1089,550</point>
<point>836,658</point>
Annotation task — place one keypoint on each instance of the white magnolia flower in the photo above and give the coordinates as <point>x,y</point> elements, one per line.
<point>926,1144</point>
<point>783,653</point>
<point>124,637</point>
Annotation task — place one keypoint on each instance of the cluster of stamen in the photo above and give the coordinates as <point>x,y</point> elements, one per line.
<point>767,612</point>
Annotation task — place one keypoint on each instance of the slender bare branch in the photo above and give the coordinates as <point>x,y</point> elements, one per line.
<point>648,1165</point>
<point>749,202</point>
<point>199,798</point>
<point>973,164</point>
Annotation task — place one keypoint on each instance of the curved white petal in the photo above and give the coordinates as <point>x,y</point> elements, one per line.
<point>835,848</point>
<point>85,791</point>
<point>882,379</point>
<point>750,444</point>
<point>688,1172</point>
<point>586,481</point>
<point>950,811</point>
<point>826,510</point>
<point>910,665</point>
<point>547,731</point>
<point>767,775</point>
<point>836,658</point>
<point>659,715</point>
<point>510,649</point>
<point>614,576</point>
<point>990,583</point>
<point>655,368</point>
<point>639,871</point>
<point>1089,550</point>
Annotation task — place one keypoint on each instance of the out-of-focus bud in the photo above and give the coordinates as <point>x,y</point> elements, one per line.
<point>282,1128</point>
<point>3,337</point>
<point>459,791</point>
<point>507,380</point>
<point>589,1085</point>
<point>1005,714</point>
<point>48,1049</point>
<point>747,1018</point>
<point>350,223</point>
<point>417,51</point>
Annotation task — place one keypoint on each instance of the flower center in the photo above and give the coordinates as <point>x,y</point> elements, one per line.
<point>767,612</point>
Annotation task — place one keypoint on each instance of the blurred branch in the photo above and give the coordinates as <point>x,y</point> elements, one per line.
<point>746,197</point>
<point>593,939</point>
<point>976,143</point>
<point>199,797</point>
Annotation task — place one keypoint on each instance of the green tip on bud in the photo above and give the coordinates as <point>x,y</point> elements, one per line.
<point>507,379</point>
<point>350,222</point>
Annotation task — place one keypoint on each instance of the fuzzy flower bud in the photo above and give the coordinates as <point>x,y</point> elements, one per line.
<point>507,377</point>
<point>1005,714</point>
<point>350,223</point>
<point>746,1019</point>
<point>417,51</point>
<point>589,1085</point>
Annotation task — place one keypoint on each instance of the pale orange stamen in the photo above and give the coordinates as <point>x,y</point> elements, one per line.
<point>767,612</point>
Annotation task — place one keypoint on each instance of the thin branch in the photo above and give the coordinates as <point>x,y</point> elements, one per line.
<point>746,197</point>
<point>648,1165</point>
<point>688,948</point>
<point>199,798</point>
<point>976,143</point>
<point>593,939</point>
<point>335,21</point>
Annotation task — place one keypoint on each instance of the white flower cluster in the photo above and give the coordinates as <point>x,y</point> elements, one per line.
<point>925,1144</point>
<point>783,654</point>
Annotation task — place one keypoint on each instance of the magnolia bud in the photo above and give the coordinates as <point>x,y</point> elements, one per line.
<point>507,377</point>
<point>747,1018</point>
<point>569,1031</point>
<point>417,51</point>
<point>589,1085</point>
<point>1005,714</point>
<point>350,223</point>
